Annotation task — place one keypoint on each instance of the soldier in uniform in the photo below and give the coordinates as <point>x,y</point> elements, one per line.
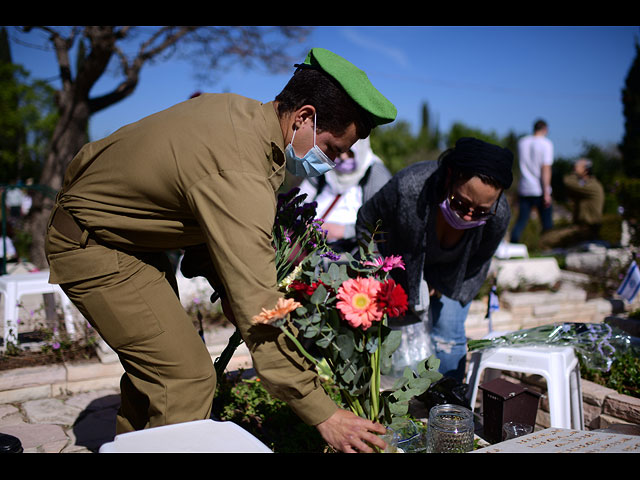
<point>203,176</point>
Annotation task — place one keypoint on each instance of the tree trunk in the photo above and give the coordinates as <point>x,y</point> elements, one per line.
<point>68,138</point>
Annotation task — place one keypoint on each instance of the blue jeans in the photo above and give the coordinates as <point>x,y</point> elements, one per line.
<point>525,204</point>
<point>448,335</point>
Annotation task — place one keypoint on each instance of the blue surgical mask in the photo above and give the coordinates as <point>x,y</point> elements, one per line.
<point>313,164</point>
<point>454,220</point>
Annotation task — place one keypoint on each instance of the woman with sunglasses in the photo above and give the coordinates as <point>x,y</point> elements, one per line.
<point>446,219</point>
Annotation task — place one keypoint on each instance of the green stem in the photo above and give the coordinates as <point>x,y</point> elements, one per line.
<point>354,404</point>
<point>375,381</point>
<point>309,357</point>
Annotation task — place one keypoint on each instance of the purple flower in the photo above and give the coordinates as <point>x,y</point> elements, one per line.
<point>331,255</point>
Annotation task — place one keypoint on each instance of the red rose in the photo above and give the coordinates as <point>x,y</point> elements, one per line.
<point>302,287</point>
<point>392,299</point>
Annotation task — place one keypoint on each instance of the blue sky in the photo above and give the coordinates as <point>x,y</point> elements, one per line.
<point>496,79</point>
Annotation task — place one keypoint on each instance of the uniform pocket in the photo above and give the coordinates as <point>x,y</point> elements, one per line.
<point>82,264</point>
<point>122,314</point>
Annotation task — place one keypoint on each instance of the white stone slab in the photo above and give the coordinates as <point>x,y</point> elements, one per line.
<point>559,440</point>
<point>513,274</point>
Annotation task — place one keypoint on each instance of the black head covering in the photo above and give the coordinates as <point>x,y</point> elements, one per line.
<point>472,156</point>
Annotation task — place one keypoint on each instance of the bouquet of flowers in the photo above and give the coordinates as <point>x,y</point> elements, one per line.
<point>595,343</point>
<point>335,313</point>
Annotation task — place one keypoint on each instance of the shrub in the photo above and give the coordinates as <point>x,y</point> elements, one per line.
<point>623,377</point>
<point>248,404</point>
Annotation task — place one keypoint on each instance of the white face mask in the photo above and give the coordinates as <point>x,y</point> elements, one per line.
<point>313,164</point>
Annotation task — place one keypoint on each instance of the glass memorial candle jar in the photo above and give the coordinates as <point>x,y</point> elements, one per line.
<point>450,429</point>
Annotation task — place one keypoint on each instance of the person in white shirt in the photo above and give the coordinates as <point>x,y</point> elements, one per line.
<point>339,193</point>
<point>534,188</point>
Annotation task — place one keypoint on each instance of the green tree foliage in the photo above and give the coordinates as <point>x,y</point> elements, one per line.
<point>396,145</point>
<point>630,146</point>
<point>459,130</point>
<point>27,118</point>
<point>399,147</point>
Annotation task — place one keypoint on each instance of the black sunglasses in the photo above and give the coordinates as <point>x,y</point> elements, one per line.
<point>462,207</point>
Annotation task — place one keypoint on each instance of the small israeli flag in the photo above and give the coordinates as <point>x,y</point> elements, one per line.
<point>494,302</point>
<point>631,283</point>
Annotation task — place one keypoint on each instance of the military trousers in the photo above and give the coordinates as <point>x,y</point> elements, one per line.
<point>131,300</point>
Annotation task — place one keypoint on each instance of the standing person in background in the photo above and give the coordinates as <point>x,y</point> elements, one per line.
<point>534,188</point>
<point>339,193</point>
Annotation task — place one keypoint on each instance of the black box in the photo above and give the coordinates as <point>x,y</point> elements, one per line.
<point>504,401</point>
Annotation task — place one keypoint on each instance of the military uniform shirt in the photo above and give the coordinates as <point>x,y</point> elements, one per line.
<point>204,171</point>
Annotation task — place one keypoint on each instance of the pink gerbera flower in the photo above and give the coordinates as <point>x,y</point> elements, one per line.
<point>357,302</point>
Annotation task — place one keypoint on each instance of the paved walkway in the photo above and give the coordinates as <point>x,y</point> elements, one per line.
<point>46,417</point>
<point>78,423</point>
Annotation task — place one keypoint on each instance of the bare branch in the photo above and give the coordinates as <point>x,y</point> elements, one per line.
<point>168,38</point>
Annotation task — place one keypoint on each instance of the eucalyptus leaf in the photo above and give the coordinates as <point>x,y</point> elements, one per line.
<point>316,318</point>
<point>420,385</point>
<point>399,383</point>
<point>399,409</point>
<point>315,260</point>
<point>311,331</point>
<point>408,373</point>
<point>433,363</point>
<point>319,295</point>
<point>372,345</point>
<point>346,345</point>
<point>391,342</point>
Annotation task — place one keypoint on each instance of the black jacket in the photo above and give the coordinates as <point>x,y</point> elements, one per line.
<point>407,205</point>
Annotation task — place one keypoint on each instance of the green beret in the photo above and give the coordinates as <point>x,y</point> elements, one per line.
<point>355,82</point>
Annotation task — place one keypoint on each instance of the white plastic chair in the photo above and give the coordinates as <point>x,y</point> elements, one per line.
<point>558,365</point>
<point>200,436</point>
<point>15,286</point>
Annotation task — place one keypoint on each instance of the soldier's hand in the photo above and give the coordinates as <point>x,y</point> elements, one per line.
<point>349,433</point>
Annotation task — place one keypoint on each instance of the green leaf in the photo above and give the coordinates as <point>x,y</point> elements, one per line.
<point>408,373</point>
<point>420,385</point>
<point>433,363</point>
<point>311,331</point>
<point>372,345</point>
<point>323,342</point>
<point>391,342</point>
<point>399,383</point>
<point>319,295</point>
<point>315,260</point>
<point>399,409</point>
<point>346,345</point>
<point>334,272</point>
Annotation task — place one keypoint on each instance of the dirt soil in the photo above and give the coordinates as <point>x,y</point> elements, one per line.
<point>36,358</point>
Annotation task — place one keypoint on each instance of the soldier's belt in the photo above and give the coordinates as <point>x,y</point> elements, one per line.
<point>64,222</point>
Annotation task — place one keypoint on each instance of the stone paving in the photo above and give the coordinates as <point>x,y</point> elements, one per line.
<point>72,408</point>
<point>78,423</point>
